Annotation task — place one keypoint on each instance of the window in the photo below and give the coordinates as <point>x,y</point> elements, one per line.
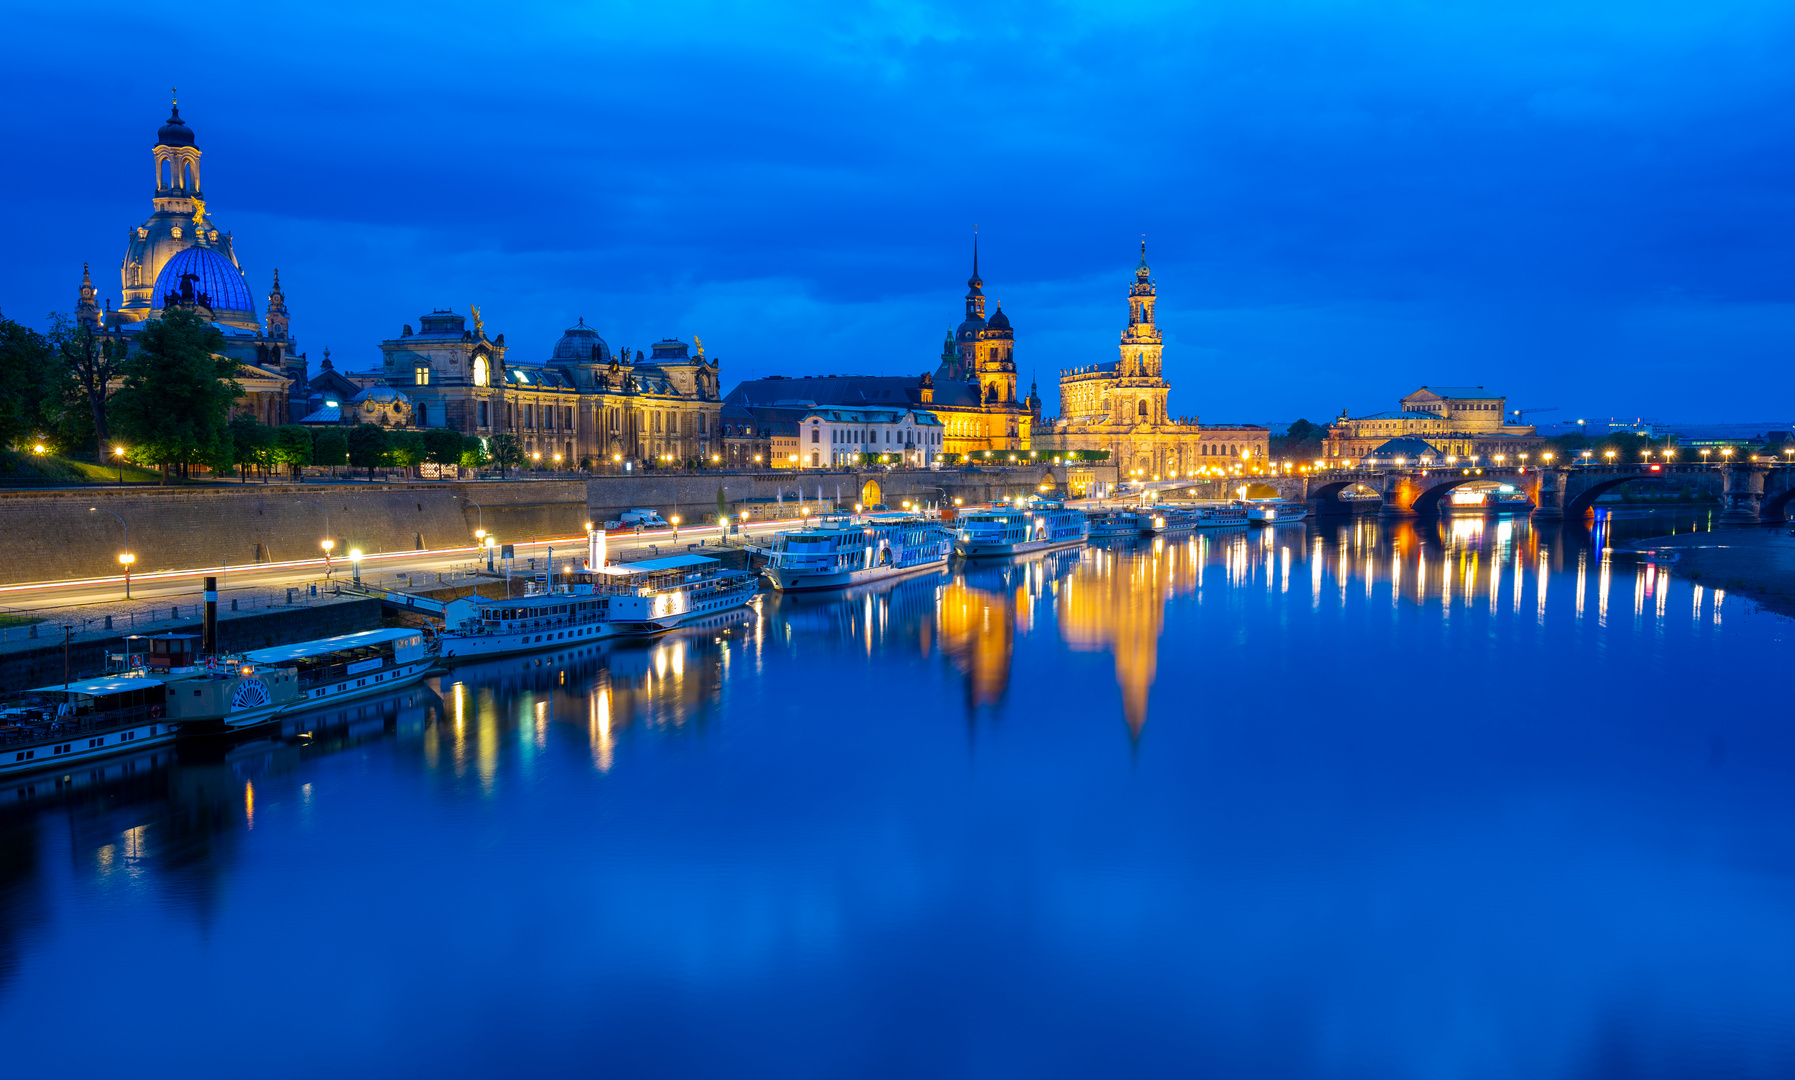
<point>567,415</point>
<point>815,436</point>
<point>481,374</point>
<point>529,416</point>
<point>483,414</point>
<point>423,414</point>
<point>420,375</point>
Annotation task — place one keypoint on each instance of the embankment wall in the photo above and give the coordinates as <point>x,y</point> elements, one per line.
<point>42,665</point>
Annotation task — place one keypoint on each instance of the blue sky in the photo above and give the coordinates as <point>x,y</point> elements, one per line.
<point>1587,205</point>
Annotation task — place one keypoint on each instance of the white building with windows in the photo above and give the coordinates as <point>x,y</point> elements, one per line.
<point>835,436</point>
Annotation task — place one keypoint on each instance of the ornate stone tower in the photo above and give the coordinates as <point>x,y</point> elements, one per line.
<point>277,311</point>
<point>1141,342</point>
<point>179,222</point>
<point>87,313</point>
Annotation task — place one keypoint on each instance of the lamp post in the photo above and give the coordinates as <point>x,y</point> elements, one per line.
<point>676,528</point>
<point>355,563</point>
<point>328,542</point>
<point>489,555</point>
<point>126,559</point>
<point>118,454</point>
<point>480,529</point>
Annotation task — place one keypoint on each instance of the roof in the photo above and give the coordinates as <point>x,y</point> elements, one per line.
<point>1401,414</point>
<point>901,390</point>
<point>655,566</point>
<point>218,278</point>
<point>1475,392</point>
<point>116,684</point>
<point>328,645</point>
<point>329,414</point>
<point>1407,446</point>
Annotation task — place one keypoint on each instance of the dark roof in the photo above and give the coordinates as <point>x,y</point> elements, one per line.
<point>1407,446</point>
<point>1475,393</point>
<point>175,132</point>
<point>999,321</point>
<point>581,343</point>
<point>831,390</point>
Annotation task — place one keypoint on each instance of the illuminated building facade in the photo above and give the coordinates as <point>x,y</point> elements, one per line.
<point>1457,421</point>
<point>583,404</point>
<point>178,257</point>
<point>1121,407</point>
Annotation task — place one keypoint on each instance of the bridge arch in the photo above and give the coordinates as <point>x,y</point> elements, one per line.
<point>1427,504</point>
<point>1576,506</point>
<point>1776,505</point>
<point>1328,496</point>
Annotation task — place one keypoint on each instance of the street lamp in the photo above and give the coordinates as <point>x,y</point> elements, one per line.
<point>1609,454</point>
<point>675,527</point>
<point>327,544</point>
<point>118,452</point>
<point>1548,455</point>
<point>355,563</point>
<point>490,551</point>
<point>1705,453</point>
<point>126,558</point>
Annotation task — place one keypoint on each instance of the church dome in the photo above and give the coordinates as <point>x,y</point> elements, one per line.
<point>581,344</point>
<point>381,395</point>
<point>999,321</point>
<point>175,132</point>
<point>218,278</point>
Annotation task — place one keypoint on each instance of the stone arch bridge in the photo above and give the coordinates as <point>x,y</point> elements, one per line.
<point>1750,492</point>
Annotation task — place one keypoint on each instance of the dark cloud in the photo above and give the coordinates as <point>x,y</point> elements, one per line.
<point>1582,202</point>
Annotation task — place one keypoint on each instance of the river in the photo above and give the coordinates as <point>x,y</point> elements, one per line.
<point>1333,799</point>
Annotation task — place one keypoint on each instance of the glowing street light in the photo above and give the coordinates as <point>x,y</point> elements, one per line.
<point>125,559</point>
<point>355,563</point>
<point>491,549</point>
<point>118,454</point>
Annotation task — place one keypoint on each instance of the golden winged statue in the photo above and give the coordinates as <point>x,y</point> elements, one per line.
<point>479,325</point>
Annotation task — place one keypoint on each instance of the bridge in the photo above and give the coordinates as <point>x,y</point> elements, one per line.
<point>1750,492</point>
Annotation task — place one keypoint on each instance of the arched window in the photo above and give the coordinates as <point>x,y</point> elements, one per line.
<point>1141,409</point>
<point>481,376</point>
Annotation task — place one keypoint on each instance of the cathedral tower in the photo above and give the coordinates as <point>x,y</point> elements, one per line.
<point>1141,342</point>
<point>87,313</point>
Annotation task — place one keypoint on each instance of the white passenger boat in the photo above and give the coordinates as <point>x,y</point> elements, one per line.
<point>1275,511</point>
<point>612,601</point>
<point>1038,526</point>
<point>1115,523</point>
<point>850,549</point>
<point>1220,515</point>
<point>1169,520</point>
<point>334,669</point>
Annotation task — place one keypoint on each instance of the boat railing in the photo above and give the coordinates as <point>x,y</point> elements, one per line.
<point>52,727</point>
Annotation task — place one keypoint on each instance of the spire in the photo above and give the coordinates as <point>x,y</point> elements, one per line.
<point>277,310</point>
<point>87,313</point>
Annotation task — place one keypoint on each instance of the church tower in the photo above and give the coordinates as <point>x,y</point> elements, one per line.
<point>1141,342</point>
<point>277,310</point>
<point>87,313</point>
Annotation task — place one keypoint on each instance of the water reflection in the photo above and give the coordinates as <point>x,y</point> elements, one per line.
<point>776,806</point>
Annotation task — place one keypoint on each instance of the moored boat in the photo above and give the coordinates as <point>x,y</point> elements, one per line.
<point>848,549</point>
<point>1275,511</point>
<point>1037,526</point>
<point>1111,523</point>
<point>617,600</point>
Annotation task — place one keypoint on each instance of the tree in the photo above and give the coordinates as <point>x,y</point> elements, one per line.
<point>293,447</point>
<point>1302,441</point>
<point>331,448</point>
<point>25,368</point>
<point>506,452</point>
<point>473,453</point>
<point>442,446</point>
<point>406,449</point>
<point>368,447</point>
<point>90,363</point>
<point>252,442</point>
<point>176,394</point>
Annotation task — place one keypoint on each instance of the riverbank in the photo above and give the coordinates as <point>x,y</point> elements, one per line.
<point>1758,564</point>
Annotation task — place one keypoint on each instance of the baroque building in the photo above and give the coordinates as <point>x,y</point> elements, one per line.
<point>966,407</point>
<point>1122,407</point>
<point>583,404</point>
<point>1457,421</point>
<point>178,257</point>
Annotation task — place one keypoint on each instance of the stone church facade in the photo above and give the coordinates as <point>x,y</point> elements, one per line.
<point>1122,407</point>
<point>178,257</point>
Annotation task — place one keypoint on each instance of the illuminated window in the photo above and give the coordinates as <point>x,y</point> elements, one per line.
<point>175,232</point>
<point>480,374</point>
<point>420,375</point>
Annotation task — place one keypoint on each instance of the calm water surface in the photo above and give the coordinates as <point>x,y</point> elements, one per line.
<point>1331,800</point>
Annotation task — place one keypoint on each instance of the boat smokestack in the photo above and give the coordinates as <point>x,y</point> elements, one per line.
<point>208,634</point>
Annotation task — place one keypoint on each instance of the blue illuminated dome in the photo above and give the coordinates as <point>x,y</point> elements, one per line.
<point>219,279</point>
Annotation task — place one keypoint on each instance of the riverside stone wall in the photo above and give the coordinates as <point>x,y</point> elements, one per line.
<point>51,535</point>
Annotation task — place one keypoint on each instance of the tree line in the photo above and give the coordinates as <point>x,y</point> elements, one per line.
<point>165,400</point>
